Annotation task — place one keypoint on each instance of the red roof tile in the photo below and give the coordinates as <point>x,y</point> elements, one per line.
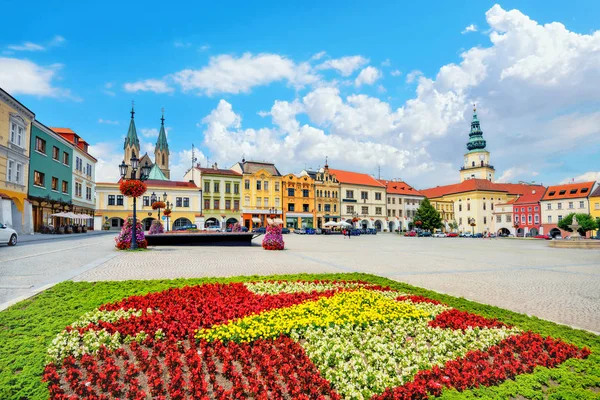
<point>355,178</point>
<point>158,183</point>
<point>218,171</point>
<point>471,185</point>
<point>533,195</point>
<point>569,191</point>
<point>399,187</point>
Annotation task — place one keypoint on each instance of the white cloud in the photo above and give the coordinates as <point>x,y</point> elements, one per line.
<point>470,28</point>
<point>57,40</point>
<point>181,162</point>
<point>228,74</point>
<point>413,76</point>
<point>26,46</point>
<point>148,85</point>
<point>585,177</point>
<point>108,89</point>
<point>344,65</point>
<point>386,63</point>
<point>109,156</point>
<point>153,132</point>
<point>204,47</point>
<point>367,76</point>
<point>107,121</point>
<point>381,89</point>
<point>519,173</point>
<point>318,56</point>
<point>25,77</point>
<point>396,72</point>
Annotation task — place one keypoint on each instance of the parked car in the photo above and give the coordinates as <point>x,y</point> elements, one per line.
<point>8,235</point>
<point>300,231</point>
<point>309,231</point>
<point>318,231</point>
<point>411,234</point>
<point>439,235</point>
<point>478,235</point>
<point>186,227</point>
<point>546,237</point>
<point>259,230</point>
<point>213,229</point>
<point>244,229</point>
<point>285,231</point>
<point>356,232</point>
<point>452,234</point>
<point>425,234</point>
<point>467,235</point>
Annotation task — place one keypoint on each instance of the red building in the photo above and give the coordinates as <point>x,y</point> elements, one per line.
<point>527,215</point>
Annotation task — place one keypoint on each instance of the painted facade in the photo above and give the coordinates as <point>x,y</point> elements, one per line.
<point>527,215</point>
<point>362,197</point>
<point>402,203</point>
<point>327,195</point>
<point>446,210</point>
<point>15,132</point>
<point>562,200</point>
<point>262,196</point>
<point>51,177</point>
<point>502,219</point>
<point>221,195</point>
<point>84,174</point>
<point>595,207</point>
<point>298,201</point>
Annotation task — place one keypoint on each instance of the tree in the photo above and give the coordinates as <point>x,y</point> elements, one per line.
<point>586,222</point>
<point>430,218</point>
<point>453,225</point>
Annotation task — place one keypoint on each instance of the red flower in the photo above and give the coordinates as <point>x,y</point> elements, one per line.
<point>132,188</point>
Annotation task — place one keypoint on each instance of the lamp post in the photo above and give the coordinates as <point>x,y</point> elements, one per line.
<point>145,170</point>
<point>472,223</point>
<point>168,208</point>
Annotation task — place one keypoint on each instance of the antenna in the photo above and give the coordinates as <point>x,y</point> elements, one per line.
<point>194,159</point>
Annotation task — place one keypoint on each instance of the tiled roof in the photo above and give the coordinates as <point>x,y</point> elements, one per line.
<point>157,184</point>
<point>471,185</point>
<point>355,178</point>
<point>250,167</point>
<point>533,195</point>
<point>69,135</point>
<point>218,171</point>
<point>596,193</point>
<point>399,187</point>
<point>569,191</point>
<point>62,130</point>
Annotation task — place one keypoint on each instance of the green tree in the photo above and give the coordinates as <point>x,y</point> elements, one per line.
<point>453,225</point>
<point>586,222</point>
<point>430,218</point>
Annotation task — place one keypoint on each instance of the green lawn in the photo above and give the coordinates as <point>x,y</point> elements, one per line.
<point>27,328</point>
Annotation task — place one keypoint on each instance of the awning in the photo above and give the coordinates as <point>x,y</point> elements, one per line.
<point>278,221</point>
<point>257,220</point>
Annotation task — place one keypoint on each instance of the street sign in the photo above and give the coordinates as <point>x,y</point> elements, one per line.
<point>164,218</point>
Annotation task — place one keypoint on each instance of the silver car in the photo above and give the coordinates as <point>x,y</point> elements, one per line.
<point>8,235</point>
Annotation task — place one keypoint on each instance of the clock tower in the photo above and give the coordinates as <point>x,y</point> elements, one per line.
<point>477,158</point>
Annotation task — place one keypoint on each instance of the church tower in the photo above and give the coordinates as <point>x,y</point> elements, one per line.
<point>132,143</point>
<point>161,151</point>
<point>477,158</point>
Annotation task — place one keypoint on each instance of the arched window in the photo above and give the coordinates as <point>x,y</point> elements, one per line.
<point>473,164</point>
<point>163,159</point>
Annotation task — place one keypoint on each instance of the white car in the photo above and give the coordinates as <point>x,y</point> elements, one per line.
<point>8,235</point>
<point>439,235</point>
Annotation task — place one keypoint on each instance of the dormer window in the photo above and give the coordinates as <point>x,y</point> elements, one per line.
<point>584,190</point>
<point>76,140</point>
<point>562,192</point>
<point>573,191</point>
<point>552,193</point>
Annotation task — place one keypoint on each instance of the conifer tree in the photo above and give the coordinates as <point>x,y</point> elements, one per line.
<point>430,218</point>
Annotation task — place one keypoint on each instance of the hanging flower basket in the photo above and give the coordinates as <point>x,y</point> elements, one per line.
<point>158,204</point>
<point>132,188</point>
<point>167,212</point>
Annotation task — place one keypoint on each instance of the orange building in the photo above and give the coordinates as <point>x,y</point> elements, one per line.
<point>298,201</point>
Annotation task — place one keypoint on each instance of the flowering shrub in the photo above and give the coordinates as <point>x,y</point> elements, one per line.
<point>297,340</point>
<point>156,227</point>
<point>273,239</point>
<point>132,188</point>
<point>158,204</point>
<point>123,239</point>
<point>236,227</point>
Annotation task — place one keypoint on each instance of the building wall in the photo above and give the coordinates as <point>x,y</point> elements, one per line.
<point>216,211</point>
<point>446,210</point>
<point>529,217</point>
<point>595,210</point>
<point>15,211</point>
<point>327,198</point>
<point>477,166</point>
<point>299,194</point>
<point>87,181</point>
<point>375,209</point>
<point>502,219</point>
<point>555,210</point>
<point>269,199</point>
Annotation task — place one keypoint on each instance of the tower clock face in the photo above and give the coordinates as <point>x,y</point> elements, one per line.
<point>482,157</point>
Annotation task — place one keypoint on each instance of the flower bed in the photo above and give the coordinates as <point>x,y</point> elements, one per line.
<point>291,339</point>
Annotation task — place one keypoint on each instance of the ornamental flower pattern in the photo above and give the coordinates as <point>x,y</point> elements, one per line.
<point>281,340</point>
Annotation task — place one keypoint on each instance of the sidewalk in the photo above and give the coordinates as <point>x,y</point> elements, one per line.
<point>38,237</point>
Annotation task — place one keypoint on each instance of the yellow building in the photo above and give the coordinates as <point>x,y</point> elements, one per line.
<point>113,209</point>
<point>261,193</point>
<point>446,210</point>
<point>595,207</point>
<point>327,196</point>
<point>15,133</point>
<point>298,201</point>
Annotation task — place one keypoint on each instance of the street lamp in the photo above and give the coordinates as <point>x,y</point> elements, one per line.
<point>145,171</point>
<point>154,198</point>
<point>168,208</point>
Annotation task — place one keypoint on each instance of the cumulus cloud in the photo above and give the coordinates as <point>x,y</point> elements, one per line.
<point>396,72</point>
<point>585,177</point>
<point>412,76</point>
<point>57,40</point>
<point>148,85</point>
<point>470,28</point>
<point>344,65</point>
<point>367,76</point>
<point>25,77</point>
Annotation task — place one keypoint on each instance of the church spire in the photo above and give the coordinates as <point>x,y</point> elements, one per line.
<point>132,139</point>
<point>476,141</point>
<point>161,142</point>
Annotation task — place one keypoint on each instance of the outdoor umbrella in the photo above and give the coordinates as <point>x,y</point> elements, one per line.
<point>60,214</point>
<point>345,224</point>
<point>331,223</point>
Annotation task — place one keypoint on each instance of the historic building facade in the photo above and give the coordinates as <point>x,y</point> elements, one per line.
<point>562,200</point>
<point>83,184</point>
<point>446,210</point>
<point>51,176</point>
<point>298,201</point>
<point>477,158</point>
<point>402,203</point>
<point>327,195</point>
<point>527,216</point>
<point>502,219</point>
<point>261,193</point>
<point>362,198</point>
<point>595,207</point>
<point>15,132</point>
<point>221,195</point>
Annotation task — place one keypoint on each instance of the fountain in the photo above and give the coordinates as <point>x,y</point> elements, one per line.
<point>575,228</point>
<point>576,241</point>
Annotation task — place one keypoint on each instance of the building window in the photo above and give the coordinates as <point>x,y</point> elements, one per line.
<point>88,193</point>
<point>146,201</point>
<point>549,206</point>
<point>39,178</point>
<point>468,206</point>
<point>216,186</point>
<point>14,172</point>
<point>559,218</point>
<point>119,199</point>
<point>277,186</point>
<point>291,207</point>
<point>16,133</point>
<point>40,145</point>
<point>327,208</point>
<point>460,207</point>
<point>484,220</point>
<point>258,201</point>
<point>258,185</point>
<point>228,204</point>
<point>227,187</point>
<point>349,209</point>
<point>498,218</point>
<point>394,200</point>
<point>266,201</point>
<point>549,219</point>
<point>484,205</point>
<point>597,206</point>
<point>304,207</point>
<point>364,210</point>
<point>236,205</point>
<point>247,184</point>
<point>207,204</point>
<point>65,158</point>
<point>349,194</point>
<point>389,199</point>
<point>186,201</point>
<point>335,208</point>
<point>78,189</point>
<point>508,218</point>
<point>319,207</point>
<point>378,210</point>
<point>276,201</point>
<point>377,196</point>
<point>581,204</point>
<point>305,193</point>
<point>529,219</point>
<point>290,192</point>
<point>537,219</point>
<point>207,187</point>
<point>559,206</point>
<point>111,199</point>
<point>247,201</point>
<point>364,195</point>
<point>178,201</point>
<point>266,185</point>
<point>55,183</point>
<point>516,219</point>
<point>236,188</point>
<point>460,221</point>
<point>217,204</point>
<point>55,153</point>
<point>570,204</point>
<point>88,170</point>
<point>78,164</point>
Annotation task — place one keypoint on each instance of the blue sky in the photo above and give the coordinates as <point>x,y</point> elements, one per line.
<point>388,86</point>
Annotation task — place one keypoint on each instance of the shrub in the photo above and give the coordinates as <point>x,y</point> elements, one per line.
<point>156,228</point>
<point>273,238</point>
<point>123,240</point>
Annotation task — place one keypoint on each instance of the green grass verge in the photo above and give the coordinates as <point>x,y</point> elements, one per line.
<point>27,328</point>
